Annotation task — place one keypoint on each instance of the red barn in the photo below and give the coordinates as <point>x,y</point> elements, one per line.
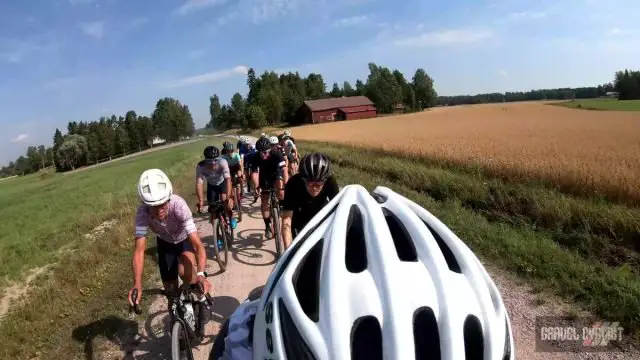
<point>331,109</point>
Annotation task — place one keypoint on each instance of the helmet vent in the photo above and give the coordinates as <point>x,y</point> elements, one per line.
<point>473,340</point>
<point>425,334</point>
<point>366,339</point>
<point>446,251</point>
<point>306,281</point>
<point>404,246</point>
<point>146,189</point>
<point>356,250</point>
<point>293,343</point>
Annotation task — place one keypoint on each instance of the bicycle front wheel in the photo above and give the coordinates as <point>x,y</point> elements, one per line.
<point>180,347</point>
<point>220,244</point>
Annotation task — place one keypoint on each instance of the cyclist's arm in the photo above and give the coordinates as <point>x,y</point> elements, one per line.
<point>227,178</point>
<point>137,262</point>
<point>287,236</point>
<point>282,169</point>
<point>199,186</point>
<point>184,214</point>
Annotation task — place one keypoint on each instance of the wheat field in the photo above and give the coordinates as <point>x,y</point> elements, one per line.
<point>587,152</point>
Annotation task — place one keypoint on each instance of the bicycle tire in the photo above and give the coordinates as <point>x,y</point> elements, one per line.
<point>219,233</point>
<point>237,198</point>
<point>275,220</point>
<point>179,341</point>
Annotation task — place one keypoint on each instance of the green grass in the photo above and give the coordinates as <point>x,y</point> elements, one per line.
<point>584,250</point>
<point>83,300</point>
<point>602,104</point>
<point>41,213</point>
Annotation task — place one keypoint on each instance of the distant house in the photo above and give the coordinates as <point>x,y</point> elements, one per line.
<point>156,140</point>
<point>612,94</point>
<point>335,109</point>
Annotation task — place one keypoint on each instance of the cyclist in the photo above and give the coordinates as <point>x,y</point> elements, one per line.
<point>240,144</point>
<point>369,278</point>
<point>267,172</point>
<point>306,194</point>
<point>291,152</point>
<point>251,153</point>
<point>180,249</point>
<point>234,160</point>
<point>215,170</point>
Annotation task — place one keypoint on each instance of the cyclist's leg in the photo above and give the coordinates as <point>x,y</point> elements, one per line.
<point>265,185</point>
<point>187,265</point>
<point>168,264</point>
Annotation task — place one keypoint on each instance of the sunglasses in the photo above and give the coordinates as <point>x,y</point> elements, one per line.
<point>314,184</point>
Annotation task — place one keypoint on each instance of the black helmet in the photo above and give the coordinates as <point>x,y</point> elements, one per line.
<point>263,144</point>
<point>315,167</point>
<point>227,146</point>
<point>211,152</point>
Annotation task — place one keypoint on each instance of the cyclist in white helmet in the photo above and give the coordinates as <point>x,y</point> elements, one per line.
<point>372,276</point>
<point>179,246</point>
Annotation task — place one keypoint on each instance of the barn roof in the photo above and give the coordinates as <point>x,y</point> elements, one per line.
<point>335,103</point>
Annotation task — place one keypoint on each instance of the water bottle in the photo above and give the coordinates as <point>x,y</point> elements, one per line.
<point>189,316</point>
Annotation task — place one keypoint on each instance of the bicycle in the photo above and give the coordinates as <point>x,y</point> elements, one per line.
<point>187,322</point>
<point>274,210</point>
<point>222,232</point>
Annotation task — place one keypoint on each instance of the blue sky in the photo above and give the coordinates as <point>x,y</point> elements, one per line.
<point>73,60</point>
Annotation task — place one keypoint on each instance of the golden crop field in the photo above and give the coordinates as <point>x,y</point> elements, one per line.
<point>579,150</point>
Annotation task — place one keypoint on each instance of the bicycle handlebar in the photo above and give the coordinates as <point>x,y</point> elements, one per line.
<point>134,300</point>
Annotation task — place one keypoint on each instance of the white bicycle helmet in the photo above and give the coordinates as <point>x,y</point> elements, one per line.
<point>273,140</point>
<point>376,276</point>
<point>154,187</point>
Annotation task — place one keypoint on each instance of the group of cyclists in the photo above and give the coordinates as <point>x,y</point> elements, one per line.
<point>355,259</point>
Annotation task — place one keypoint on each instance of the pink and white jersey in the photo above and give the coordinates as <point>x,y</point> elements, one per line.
<point>174,229</point>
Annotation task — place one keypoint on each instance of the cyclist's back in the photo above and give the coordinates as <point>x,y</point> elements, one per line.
<point>213,176</point>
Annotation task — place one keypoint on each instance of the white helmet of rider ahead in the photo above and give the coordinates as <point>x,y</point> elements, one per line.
<point>273,140</point>
<point>154,187</point>
<point>375,275</point>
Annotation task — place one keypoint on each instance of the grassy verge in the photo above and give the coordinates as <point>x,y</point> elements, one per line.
<point>554,240</point>
<point>84,298</point>
<point>602,104</point>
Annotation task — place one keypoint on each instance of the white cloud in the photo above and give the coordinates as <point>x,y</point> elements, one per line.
<point>20,138</point>
<point>445,38</point>
<point>193,5</point>
<point>527,15</point>
<point>139,21</point>
<point>210,77</point>
<point>94,29</point>
<point>350,21</point>
<point>503,73</point>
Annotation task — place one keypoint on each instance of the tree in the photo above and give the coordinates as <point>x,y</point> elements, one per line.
<point>383,89</point>
<point>42,154</point>
<point>214,110</point>
<point>57,142</point>
<point>347,90</point>
<point>255,117</point>
<point>315,86</point>
<point>359,87</point>
<point>252,84</point>
<point>171,120</point>
<point>237,116</point>
<point>426,95</point>
<point>72,151</point>
<point>336,91</point>
<point>130,119</point>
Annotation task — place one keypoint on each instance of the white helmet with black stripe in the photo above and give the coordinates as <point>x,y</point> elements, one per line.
<point>376,276</point>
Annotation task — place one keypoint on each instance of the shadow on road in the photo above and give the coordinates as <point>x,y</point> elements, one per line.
<point>118,331</point>
<point>249,248</point>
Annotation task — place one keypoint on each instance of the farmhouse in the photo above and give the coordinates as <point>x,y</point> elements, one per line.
<point>342,108</point>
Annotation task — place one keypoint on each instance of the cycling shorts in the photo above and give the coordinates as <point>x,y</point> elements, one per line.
<point>235,169</point>
<point>214,192</point>
<point>266,183</point>
<point>169,257</point>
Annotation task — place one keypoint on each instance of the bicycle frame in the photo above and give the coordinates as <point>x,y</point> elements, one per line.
<point>178,301</point>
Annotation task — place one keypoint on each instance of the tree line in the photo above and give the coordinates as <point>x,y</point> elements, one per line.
<point>626,84</point>
<point>88,142</point>
<point>275,98</point>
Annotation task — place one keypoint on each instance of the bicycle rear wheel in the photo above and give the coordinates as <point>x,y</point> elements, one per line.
<point>180,347</point>
<point>221,251</point>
